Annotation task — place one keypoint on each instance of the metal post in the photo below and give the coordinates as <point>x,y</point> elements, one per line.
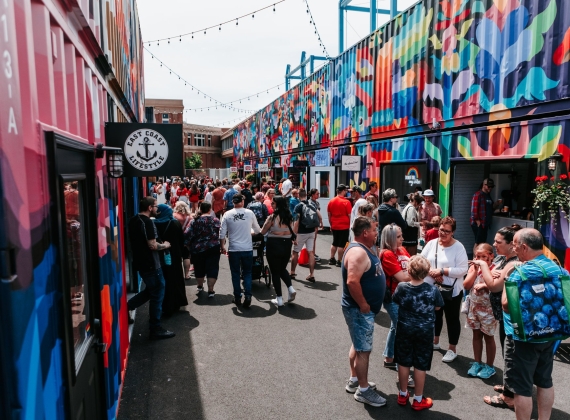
<point>303,54</point>
<point>393,8</point>
<point>372,15</point>
<point>340,27</point>
<point>287,77</point>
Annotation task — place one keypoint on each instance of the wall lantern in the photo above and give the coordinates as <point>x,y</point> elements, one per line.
<point>114,159</point>
<point>553,161</point>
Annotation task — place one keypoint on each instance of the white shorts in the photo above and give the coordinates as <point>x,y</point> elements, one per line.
<point>307,239</point>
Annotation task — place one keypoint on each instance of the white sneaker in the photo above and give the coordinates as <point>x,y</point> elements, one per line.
<point>436,346</point>
<point>450,356</point>
<point>278,301</point>
<point>292,294</point>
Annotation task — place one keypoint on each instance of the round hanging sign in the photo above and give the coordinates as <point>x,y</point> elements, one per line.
<point>146,149</point>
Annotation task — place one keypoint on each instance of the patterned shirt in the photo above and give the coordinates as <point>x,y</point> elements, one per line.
<point>202,234</point>
<point>479,208</point>
<point>417,305</point>
<point>429,211</point>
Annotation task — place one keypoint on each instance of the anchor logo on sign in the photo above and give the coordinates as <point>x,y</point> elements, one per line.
<point>146,143</point>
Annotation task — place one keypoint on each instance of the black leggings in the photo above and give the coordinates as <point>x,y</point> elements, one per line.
<point>278,255</point>
<point>451,310</point>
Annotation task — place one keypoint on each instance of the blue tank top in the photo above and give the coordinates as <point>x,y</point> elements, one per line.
<point>373,282</point>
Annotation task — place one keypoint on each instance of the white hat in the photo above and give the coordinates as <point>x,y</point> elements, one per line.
<point>428,193</point>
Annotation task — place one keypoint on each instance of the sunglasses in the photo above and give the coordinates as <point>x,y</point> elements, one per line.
<point>445,232</point>
<point>490,186</point>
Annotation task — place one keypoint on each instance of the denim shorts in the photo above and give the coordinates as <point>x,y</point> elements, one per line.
<point>360,327</point>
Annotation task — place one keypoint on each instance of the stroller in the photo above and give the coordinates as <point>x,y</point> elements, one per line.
<point>259,268</point>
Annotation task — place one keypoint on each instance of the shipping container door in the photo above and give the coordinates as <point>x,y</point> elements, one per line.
<point>73,192</point>
<point>467,179</point>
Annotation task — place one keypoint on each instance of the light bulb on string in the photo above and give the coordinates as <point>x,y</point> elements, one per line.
<point>274,8</point>
<point>252,16</point>
<point>169,40</point>
<point>220,28</point>
<point>236,22</point>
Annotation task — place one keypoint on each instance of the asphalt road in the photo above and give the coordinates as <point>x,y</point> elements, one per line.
<point>292,363</point>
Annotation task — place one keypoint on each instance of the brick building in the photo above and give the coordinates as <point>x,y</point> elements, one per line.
<point>201,139</point>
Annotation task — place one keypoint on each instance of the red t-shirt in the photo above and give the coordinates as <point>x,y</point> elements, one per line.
<point>218,197</point>
<point>339,209</point>
<point>393,263</point>
<point>267,204</point>
<point>431,234</point>
<point>194,197</point>
<point>181,192</point>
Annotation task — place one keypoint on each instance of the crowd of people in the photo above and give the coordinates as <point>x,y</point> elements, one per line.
<point>406,260</point>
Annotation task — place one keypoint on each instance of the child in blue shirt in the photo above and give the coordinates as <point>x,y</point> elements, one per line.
<point>417,302</point>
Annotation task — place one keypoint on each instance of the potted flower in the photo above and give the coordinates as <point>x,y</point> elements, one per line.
<point>551,198</point>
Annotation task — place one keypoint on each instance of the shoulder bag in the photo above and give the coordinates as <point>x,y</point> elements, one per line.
<point>445,290</point>
<point>388,292</point>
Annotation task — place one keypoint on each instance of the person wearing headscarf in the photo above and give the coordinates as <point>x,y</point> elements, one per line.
<point>169,229</point>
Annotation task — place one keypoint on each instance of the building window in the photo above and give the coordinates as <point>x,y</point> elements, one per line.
<point>209,140</point>
<point>199,140</point>
<point>149,113</point>
<point>189,139</point>
<point>165,118</point>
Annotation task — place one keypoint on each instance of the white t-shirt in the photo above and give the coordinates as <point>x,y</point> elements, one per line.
<point>354,213</point>
<point>237,224</point>
<point>208,197</point>
<point>286,188</point>
<point>453,257</point>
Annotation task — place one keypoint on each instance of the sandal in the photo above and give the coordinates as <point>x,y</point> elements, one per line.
<point>497,401</point>
<point>293,275</point>
<point>311,279</point>
<point>498,388</point>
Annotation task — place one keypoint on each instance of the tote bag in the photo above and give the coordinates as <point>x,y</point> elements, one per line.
<point>539,306</point>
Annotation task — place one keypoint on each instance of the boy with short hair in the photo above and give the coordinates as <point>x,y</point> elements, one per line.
<point>417,302</point>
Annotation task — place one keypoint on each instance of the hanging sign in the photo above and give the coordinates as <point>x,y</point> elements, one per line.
<point>322,157</point>
<point>248,168</point>
<point>263,167</point>
<point>351,163</point>
<point>233,169</point>
<point>413,176</point>
<point>148,149</point>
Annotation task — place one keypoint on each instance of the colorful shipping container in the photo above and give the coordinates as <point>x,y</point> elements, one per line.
<point>68,67</point>
<point>445,83</point>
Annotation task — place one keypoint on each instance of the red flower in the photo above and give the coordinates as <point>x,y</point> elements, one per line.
<point>563,176</point>
<point>544,178</point>
<point>537,179</point>
<point>552,178</point>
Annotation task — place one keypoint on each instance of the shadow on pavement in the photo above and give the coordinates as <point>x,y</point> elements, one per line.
<point>325,286</point>
<point>218,300</point>
<point>292,310</point>
<point>438,389</point>
<point>254,311</point>
<point>158,370</point>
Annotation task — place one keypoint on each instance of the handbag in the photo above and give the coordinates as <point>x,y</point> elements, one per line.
<point>445,290</point>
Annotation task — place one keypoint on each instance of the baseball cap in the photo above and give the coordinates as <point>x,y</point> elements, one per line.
<point>428,193</point>
<point>490,183</point>
<point>238,198</point>
<point>341,187</point>
<point>357,188</point>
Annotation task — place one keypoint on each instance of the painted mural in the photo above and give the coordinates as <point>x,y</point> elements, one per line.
<point>411,90</point>
<point>453,62</point>
<point>32,297</point>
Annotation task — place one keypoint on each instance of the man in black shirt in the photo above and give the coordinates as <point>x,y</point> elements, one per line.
<point>388,211</point>
<point>143,235</point>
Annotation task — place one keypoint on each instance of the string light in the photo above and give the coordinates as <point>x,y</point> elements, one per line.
<point>312,22</point>
<point>226,105</point>
<point>219,25</point>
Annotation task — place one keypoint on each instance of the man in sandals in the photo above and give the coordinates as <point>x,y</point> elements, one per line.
<point>305,236</point>
<point>363,287</point>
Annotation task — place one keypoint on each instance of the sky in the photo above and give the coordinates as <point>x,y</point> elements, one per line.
<point>239,60</point>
